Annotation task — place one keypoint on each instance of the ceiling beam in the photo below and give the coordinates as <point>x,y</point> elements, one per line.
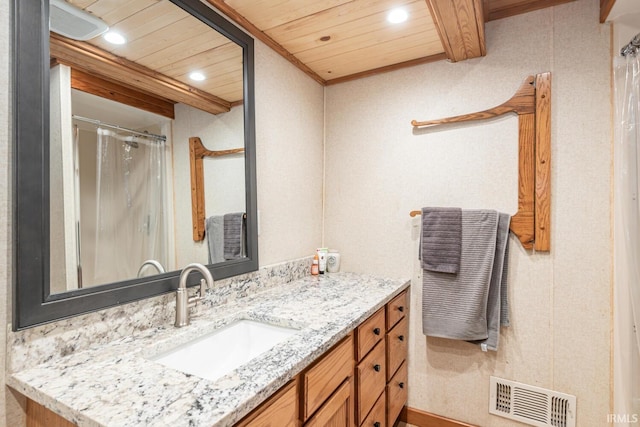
<point>99,62</point>
<point>232,14</point>
<point>460,25</point>
<point>114,91</point>
<point>605,9</point>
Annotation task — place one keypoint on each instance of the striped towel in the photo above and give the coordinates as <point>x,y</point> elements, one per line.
<point>456,306</point>
<point>440,240</point>
<point>234,232</point>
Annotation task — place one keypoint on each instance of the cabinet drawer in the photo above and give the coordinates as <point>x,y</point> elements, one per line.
<point>371,379</point>
<point>396,309</point>
<point>397,346</point>
<point>377,416</point>
<point>337,411</point>
<point>326,375</point>
<point>369,333</point>
<point>280,410</point>
<point>396,394</point>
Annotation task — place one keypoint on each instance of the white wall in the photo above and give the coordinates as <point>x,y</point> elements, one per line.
<point>378,170</point>
<point>289,140</point>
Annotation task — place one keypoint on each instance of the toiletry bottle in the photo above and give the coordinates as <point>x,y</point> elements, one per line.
<point>322,262</point>
<point>315,265</point>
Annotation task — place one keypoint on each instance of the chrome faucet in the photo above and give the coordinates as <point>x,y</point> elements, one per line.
<point>183,301</point>
<point>152,262</point>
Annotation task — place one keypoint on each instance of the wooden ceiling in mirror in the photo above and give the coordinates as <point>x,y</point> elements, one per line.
<point>331,40</point>
<point>166,43</point>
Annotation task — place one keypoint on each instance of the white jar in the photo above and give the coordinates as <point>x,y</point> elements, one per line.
<point>333,262</point>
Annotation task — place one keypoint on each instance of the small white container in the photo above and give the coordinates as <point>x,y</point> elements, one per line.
<point>333,262</point>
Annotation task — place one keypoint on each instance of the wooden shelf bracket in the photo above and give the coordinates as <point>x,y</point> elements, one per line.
<point>197,153</point>
<point>532,104</point>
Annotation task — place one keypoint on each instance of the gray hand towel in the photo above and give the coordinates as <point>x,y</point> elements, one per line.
<point>234,231</point>
<point>440,239</point>
<point>213,227</point>
<point>457,306</point>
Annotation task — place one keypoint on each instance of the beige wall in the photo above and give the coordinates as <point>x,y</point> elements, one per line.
<point>378,170</point>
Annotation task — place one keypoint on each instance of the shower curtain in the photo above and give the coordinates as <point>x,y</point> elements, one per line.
<point>130,218</point>
<point>627,176</point>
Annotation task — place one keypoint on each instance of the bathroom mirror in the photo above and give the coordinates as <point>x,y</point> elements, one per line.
<point>82,105</point>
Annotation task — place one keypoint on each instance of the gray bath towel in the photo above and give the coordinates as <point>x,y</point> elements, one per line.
<point>496,305</point>
<point>214,230</point>
<point>457,306</point>
<point>234,231</point>
<point>441,239</point>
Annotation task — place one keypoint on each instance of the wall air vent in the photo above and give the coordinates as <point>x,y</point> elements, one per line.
<point>70,21</point>
<point>531,405</point>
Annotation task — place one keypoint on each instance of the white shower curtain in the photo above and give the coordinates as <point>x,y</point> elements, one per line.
<point>627,178</point>
<point>130,218</point>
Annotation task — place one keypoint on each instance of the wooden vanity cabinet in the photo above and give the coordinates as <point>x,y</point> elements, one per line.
<point>381,375</point>
<point>280,410</point>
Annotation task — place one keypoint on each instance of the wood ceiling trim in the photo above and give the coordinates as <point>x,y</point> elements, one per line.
<point>460,24</point>
<point>232,14</point>
<point>96,61</point>
<point>108,89</point>
<point>504,11</point>
<point>388,68</point>
<point>605,9</point>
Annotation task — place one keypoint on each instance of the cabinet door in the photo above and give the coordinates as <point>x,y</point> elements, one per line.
<point>396,394</point>
<point>280,410</point>
<point>337,411</point>
<point>369,333</point>
<point>397,346</point>
<point>377,416</point>
<point>371,379</point>
<point>323,378</point>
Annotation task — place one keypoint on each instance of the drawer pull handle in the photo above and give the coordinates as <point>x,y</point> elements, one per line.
<point>376,424</point>
<point>376,331</point>
<point>401,337</point>
<point>401,309</point>
<point>376,368</point>
<point>401,385</point>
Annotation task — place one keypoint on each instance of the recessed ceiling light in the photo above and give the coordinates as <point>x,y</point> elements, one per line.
<point>114,38</point>
<point>197,76</point>
<point>396,16</point>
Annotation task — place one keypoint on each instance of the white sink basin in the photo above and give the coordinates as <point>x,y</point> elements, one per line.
<point>216,354</point>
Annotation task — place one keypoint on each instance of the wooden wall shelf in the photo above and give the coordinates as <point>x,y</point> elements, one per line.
<point>197,153</point>
<point>532,104</point>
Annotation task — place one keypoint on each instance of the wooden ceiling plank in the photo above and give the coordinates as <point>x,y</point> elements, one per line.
<point>96,61</point>
<point>372,57</point>
<point>507,8</point>
<point>114,11</point>
<point>181,50</point>
<point>460,25</point>
<point>104,88</point>
<point>267,14</point>
<point>366,30</point>
<point>255,31</point>
<point>325,22</point>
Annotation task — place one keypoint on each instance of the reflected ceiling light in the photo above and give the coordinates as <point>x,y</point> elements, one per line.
<point>396,16</point>
<point>114,38</point>
<point>197,76</point>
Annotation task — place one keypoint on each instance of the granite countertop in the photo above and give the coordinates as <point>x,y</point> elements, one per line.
<point>115,384</point>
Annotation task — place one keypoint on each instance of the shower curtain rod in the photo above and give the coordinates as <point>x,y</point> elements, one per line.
<point>632,47</point>
<point>107,125</point>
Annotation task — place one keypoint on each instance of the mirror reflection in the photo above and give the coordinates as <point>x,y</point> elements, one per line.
<point>146,143</point>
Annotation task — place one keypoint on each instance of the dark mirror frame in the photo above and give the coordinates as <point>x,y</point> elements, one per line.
<point>32,302</point>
